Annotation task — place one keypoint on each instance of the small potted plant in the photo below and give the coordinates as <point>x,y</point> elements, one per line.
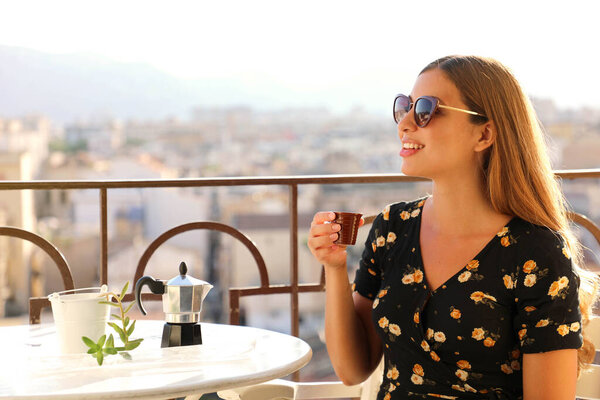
<point>106,346</point>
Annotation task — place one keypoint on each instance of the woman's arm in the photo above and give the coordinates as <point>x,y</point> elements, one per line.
<point>352,344</point>
<point>550,376</point>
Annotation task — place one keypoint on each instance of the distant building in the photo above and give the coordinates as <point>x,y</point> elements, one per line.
<point>97,137</point>
<point>583,152</point>
<point>28,134</point>
<point>16,209</point>
<point>23,150</point>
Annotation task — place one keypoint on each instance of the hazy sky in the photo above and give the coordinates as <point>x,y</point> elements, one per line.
<point>364,51</point>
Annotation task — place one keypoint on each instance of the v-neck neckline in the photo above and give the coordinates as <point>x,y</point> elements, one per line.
<point>495,239</point>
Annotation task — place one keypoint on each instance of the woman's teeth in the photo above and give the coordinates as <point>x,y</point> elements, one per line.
<point>412,146</point>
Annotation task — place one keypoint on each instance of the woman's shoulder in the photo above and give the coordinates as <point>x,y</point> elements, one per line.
<point>533,240</point>
<point>533,234</point>
<point>403,210</point>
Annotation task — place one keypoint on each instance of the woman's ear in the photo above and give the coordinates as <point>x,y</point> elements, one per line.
<point>487,136</point>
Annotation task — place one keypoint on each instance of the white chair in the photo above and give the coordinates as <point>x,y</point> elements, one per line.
<point>280,389</point>
<point>588,385</point>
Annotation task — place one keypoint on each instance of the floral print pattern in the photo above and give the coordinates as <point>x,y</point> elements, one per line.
<point>466,339</point>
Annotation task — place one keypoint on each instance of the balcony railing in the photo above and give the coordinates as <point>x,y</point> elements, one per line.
<point>265,287</point>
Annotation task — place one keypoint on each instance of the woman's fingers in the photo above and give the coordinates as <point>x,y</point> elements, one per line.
<point>324,229</point>
<point>323,217</point>
<point>320,241</point>
<point>321,224</point>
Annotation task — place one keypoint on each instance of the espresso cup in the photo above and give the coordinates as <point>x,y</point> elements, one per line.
<point>349,223</point>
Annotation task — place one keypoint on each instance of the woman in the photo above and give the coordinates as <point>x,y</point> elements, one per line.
<point>474,291</point>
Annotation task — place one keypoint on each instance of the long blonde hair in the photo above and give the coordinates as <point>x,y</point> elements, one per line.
<point>517,171</point>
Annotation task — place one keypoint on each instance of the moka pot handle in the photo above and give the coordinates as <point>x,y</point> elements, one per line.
<point>155,285</point>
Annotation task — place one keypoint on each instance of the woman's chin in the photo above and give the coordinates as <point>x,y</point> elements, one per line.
<point>409,170</point>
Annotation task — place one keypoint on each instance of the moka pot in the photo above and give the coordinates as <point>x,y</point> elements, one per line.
<point>182,298</point>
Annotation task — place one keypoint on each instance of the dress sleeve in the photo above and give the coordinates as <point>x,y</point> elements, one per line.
<point>368,277</point>
<point>547,296</point>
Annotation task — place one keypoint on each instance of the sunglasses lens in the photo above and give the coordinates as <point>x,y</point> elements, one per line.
<point>401,107</point>
<point>423,111</point>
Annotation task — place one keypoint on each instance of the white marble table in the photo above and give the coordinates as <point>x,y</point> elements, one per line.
<point>230,356</point>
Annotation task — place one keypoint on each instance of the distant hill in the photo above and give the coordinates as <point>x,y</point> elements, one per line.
<point>73,86</point>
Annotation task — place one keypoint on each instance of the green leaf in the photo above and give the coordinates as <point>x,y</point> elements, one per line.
<point>89,343</point>
<point>131,328</point>
<point>116,316</point>
<point>92,351</point>
<point>110,342</point>
<point>128,307</point>
<point>110,303</point>
<point>101,341</point>
<point>125,355</point>
<point>114,326</point>
<point>100,357</point>
<point>110,350</point>
<point>118,329</point>
<point>133,344</point>
<point>124,291</point>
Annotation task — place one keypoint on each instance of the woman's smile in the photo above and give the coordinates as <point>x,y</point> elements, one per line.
<point>410,148</point>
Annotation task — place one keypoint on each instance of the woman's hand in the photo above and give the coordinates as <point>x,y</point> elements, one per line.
<point>323,233</point>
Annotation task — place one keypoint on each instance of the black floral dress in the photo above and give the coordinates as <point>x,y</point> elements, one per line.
<point>466,339</point>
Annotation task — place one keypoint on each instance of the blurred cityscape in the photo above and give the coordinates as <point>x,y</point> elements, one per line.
<point>219,142</point>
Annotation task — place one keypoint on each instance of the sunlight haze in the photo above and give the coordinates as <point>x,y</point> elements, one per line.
<point>340,53</point>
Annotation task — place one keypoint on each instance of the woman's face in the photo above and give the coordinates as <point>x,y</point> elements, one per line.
<point>447,145</point>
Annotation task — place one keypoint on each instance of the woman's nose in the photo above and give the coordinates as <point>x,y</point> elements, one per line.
<point>407,123</point>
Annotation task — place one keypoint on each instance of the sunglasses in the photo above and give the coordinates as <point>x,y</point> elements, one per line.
<point>425,108</point>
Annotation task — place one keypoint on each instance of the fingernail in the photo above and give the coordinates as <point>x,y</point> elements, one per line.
<point>331,216</point>
<point>333,236</point>
<point>335,227</point>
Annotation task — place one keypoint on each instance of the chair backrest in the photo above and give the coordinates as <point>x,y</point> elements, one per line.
<point>588,385</point>
<point>37,303</point>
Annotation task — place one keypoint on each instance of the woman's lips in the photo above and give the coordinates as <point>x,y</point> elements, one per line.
<point>410,148</point>
<point>407,152</point>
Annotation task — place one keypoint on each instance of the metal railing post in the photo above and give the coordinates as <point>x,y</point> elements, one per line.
<point>103,237</point>
<point>295,308</point>
<point>294,258</point>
